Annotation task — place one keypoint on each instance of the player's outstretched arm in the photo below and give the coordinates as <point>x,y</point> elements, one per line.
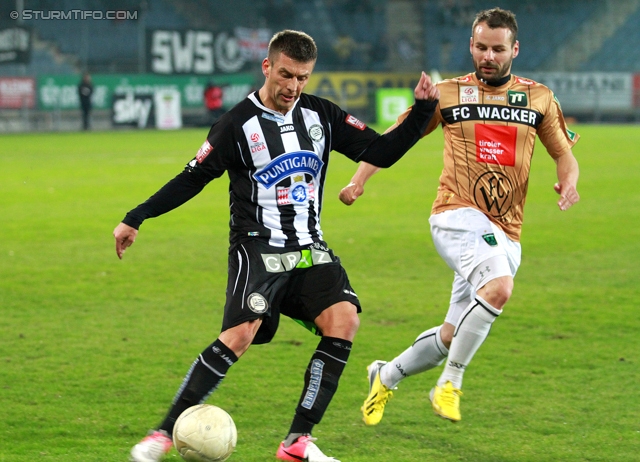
<point>425,91</point>
<point>355,188</point>
<point>125,236</point>
<point>568,172</point>
<point>390,147</point>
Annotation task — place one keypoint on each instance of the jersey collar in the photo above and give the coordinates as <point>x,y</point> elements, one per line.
<point>255,98</point>
<point>499,83</point>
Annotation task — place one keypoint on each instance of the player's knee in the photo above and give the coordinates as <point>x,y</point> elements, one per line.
<point>340,321</point>
<point>497,292</point>
<point>238,338</point>
<point>353,320</point>
<point>347,324</point>
<point>446,334</point>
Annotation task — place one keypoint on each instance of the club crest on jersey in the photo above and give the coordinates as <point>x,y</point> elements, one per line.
<point>469,94</point>
<point>289,164</point>
<point>494,193</point>
<point>316,132</point>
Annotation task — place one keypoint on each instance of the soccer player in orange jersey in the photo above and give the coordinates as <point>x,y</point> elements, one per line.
<point>490,119</point>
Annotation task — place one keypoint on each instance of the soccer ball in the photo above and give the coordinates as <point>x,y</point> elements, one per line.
<point>205,433</point>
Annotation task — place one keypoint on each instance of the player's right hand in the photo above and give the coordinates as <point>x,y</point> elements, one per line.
<point>350,193</point>
<point>125,236</point>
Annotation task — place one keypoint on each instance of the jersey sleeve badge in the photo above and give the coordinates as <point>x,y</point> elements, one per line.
<point>355,122</point>
<point>204,151</point>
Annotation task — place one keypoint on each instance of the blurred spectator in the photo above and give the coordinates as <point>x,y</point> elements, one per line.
<point>380,53</point>
<point>279,14</point>
<point>456,12</point>
<point>345,47</point>
<point>213,101</point>
<point>85,90</point>
<point>406,49</point>
<point>447,13</point>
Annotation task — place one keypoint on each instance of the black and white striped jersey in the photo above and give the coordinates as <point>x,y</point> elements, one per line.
<point>277,165</point>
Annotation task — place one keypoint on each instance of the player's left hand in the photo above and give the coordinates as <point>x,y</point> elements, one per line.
<point>350,193</point>
<point>426,89</point>
<point>125,236</point>
<point>568,195</point>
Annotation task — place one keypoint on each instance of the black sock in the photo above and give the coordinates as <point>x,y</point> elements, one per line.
<point>320,383</point>
<point>203,378</point>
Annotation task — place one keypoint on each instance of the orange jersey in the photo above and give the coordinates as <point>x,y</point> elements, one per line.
<point>489,134</point>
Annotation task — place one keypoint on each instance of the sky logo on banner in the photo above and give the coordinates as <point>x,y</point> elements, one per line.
<point>288,164</point>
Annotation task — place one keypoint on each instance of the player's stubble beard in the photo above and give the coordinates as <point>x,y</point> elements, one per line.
<point>501,70</point>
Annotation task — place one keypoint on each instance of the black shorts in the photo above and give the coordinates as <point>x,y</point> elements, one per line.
<point>266,281</point>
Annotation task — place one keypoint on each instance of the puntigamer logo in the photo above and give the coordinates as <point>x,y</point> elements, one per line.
<point>517,98</point>
<point>289,164</point>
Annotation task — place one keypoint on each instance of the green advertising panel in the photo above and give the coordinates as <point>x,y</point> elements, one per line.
<point>61,91</point>
<point>391,102</point>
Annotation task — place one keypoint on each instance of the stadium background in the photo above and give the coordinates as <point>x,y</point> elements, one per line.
<point>93,348</point>
<point>586,51</point>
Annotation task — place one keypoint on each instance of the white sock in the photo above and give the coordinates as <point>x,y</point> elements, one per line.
<point>427,352</point>
<point>473,329</point>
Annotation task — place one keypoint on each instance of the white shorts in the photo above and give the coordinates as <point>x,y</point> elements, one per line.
<point>476,250</point>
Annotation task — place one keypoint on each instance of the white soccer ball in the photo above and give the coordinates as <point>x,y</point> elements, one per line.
<point>205,433</point>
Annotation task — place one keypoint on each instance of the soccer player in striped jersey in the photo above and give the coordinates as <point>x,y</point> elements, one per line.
<point>490,120</point>
<point>275,147</point>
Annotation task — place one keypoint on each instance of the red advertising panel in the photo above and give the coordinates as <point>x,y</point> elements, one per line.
<point>636,90</point>
<point>17,92</point>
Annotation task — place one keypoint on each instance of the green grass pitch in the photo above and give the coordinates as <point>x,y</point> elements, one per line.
<point>92,349</point>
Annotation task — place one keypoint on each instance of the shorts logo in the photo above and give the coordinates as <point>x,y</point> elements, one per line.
<point>490,239</point>
<point>469,94</point>
<point>316,132</point>
<point>305,258</point>
<point>257,303</point>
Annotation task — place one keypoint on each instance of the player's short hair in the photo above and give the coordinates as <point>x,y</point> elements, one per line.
<point>497,18</point>
<point>295,44</point>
